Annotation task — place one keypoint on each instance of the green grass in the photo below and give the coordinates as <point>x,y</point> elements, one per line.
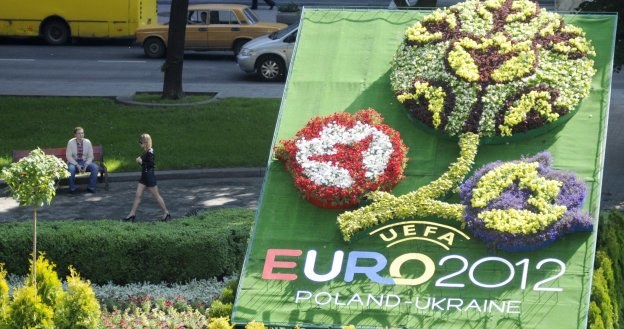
<point>225,133</point>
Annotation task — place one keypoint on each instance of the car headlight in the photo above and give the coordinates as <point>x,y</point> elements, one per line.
<point>247,52</point>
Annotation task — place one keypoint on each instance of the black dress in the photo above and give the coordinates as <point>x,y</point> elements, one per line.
<point>148,178</point>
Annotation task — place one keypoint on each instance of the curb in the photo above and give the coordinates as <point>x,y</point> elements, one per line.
<point>239,172</point>
<point>129,100</point>
<point>253,172</point>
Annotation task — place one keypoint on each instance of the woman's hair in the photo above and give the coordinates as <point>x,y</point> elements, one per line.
<point>146,141</point>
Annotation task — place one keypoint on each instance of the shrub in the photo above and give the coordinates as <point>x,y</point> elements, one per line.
<point>49,286</point>
<point>27,312</point>
<point>4,294</point>
<point>79,309</point>
<point>227,295</point>
<point>210,244</point>
<point>220,309</point>
<point>601,296</point>
<point>290,7</point>
<point>220,323</point>
<point>42,303</point>
<point>595,319</point>
<point>233,284</point>
<point>254,325</point>
<point>609,268</point>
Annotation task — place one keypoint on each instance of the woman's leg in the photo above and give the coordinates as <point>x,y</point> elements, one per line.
<point>159,199</point>
<point>137,199</point>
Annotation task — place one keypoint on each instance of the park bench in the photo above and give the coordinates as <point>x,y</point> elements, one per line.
<point>98,158</point>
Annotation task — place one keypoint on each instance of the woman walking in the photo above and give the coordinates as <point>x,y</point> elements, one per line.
<point>148,179</point>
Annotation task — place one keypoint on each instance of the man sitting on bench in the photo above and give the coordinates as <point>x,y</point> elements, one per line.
<point>80,159</point>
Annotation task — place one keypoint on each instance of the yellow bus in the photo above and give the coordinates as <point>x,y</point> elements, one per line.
<point>57,21</point>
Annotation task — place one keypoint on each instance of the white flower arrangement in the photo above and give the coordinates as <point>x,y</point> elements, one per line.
<point>337,159</point>
<point>375,157</point>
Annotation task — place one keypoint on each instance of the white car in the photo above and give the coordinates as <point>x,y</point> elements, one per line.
<point>269,56</point>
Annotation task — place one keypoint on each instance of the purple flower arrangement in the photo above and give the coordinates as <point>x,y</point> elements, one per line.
<point>571,194</point>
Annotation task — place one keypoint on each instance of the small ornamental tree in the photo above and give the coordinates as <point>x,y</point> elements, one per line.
<point>32,182</point>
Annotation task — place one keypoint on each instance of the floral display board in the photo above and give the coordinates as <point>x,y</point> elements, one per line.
<point>450,238</point>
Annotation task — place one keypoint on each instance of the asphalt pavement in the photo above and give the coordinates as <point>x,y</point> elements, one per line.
<point>185,192</point>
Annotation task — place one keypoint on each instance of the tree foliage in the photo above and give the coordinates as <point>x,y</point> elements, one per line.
<point>32,180</point>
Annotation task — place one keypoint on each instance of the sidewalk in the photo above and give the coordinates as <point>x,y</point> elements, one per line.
<point>185,192</point>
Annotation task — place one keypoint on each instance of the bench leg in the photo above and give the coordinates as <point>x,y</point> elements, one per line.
<point>104,177</point>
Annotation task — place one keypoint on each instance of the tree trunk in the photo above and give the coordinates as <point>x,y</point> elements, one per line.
<point>172,87</point>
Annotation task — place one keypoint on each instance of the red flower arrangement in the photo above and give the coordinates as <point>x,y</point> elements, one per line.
<point>337,159</point>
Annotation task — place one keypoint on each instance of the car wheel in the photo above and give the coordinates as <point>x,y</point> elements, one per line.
<point>238,45</point>
<point>270,68</point>
<point>55,32</point>
<point>154,48</point>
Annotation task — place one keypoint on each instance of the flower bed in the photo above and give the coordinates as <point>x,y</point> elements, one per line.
<point>336,159</point>
<point>420,203</point>
<point>524,205</point>
<point>497,68</point>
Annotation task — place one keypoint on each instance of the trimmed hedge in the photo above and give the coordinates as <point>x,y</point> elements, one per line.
<point>607,300</point>
<point>210,244</point>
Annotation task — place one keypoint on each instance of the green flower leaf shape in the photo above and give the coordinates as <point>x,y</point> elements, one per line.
<point>526,176</point>
<point>420,203</point>
<point>494,68</point>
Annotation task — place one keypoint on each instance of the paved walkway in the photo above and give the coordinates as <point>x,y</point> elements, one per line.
<point>185,192</point>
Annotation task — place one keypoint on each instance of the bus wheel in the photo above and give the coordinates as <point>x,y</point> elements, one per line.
<point>154,48</point>
<point>56,32</point>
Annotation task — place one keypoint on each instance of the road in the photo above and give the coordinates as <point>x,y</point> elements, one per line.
<point>115,69</point>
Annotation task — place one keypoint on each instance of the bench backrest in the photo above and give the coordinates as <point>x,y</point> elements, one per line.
<point>59,152</point>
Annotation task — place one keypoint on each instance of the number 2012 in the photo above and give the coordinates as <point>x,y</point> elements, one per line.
<point>447,280</point>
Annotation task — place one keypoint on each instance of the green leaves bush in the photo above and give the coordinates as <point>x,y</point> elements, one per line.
<point>219,309</point>
<point>26,312</point>
<point>606,309</point>
<point>80,308</point>
<point>602,313</point>
<point>45,304</point>
<point>210,244</point>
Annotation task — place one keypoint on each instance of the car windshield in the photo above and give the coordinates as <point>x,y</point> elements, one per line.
<point>251,17</point>
<point>281,33</point>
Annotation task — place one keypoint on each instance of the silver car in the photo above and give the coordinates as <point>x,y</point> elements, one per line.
<point>269,56</point>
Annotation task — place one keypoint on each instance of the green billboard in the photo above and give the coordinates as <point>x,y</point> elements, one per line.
<point>422,269</point>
